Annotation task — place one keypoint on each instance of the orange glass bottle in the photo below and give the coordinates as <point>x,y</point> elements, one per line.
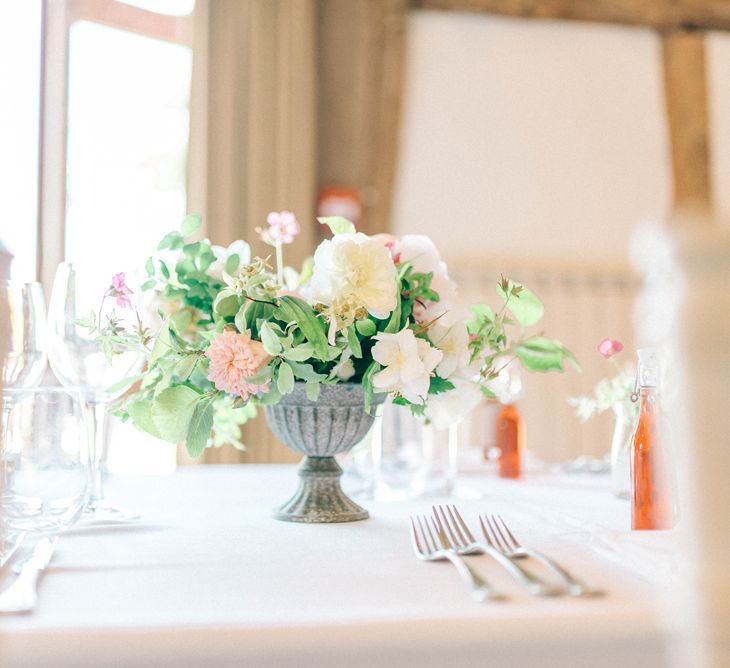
<point>510,441</point>
<point>651,499</point>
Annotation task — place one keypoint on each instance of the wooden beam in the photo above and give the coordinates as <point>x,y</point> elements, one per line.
<point>685,87</point>
<point>658,14</point>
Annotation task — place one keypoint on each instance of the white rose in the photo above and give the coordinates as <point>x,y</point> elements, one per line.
<point>453,342</point>
<point>453,406</point>
<point>354,268</point>
<point>408,363</point>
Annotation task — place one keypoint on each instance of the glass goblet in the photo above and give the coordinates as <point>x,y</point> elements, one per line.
<point>79,360</point>
<point>24,333</point>
<point>45,465</point>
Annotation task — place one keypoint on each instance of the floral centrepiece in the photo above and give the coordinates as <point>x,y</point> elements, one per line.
<point>378,311</point>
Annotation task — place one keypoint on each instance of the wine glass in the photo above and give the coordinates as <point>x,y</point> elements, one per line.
<point>45,463</point>
<point>79,360</point>
<point>24,331</point>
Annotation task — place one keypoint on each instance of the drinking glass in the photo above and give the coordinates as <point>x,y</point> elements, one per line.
<point>24,333</point>
<point>79,361</point>
<point>44,466</point>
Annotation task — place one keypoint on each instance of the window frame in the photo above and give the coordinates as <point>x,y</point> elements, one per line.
<point>58,16</point>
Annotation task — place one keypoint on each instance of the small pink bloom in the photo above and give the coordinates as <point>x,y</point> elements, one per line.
<point>120,290</point>
<point>233,358</point>
<point>390,241</point>
<point>283,227</point>
<point>609,347</point>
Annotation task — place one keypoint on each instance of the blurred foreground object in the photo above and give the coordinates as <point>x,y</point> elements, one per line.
<point>704,434</point>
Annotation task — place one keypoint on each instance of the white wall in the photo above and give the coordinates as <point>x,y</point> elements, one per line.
<point>529,138</point>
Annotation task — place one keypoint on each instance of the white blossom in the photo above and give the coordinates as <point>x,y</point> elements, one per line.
<point>452,406</point>
<point>408,364</point>
<point>453,342</point>
<point>240,248</point>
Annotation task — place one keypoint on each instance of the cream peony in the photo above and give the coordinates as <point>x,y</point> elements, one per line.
<point>453,406</point>
<point>409,363</point>
<point>453,342</point>
<point>355,269</point>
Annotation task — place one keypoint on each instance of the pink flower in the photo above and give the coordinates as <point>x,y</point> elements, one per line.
<point>120,290</point>
<point>609,347</point>
<point>233,358</point>
<point>283,227</point>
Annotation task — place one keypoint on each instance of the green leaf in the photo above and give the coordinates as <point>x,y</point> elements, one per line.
<point>185,367</point>
<point>190,223</point>
<point>181,320</point>
<point>300,353</point>
<point>367,384</point>
<point>172,411</point>
<point>141,415</point>
<point>108,348</point>
<point>541,354</point>
<point>482,311</point>
<point>149,283</point>
<point>307,271</point>
<point>338,224</point>
<point>525,305</point>
<point>393,325</point>
<point>227,306</point>
<point>171,240</point>
<point>162,344</point>
<point>354,342</point>
<point>271,342</point>
<point>285,380</point>
<point>437,385</point>
<point>366,327</point>
<point>240,319</point>
<point>124,383</point>
<point>312,390</point>
<point>293,309</point>
<point>306,372</point>
<point>232,263</point>
<point>149,267</point>
<point>201,424</point>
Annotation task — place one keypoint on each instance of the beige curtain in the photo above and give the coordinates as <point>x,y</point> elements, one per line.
<point>360,68</point>
<point>253,135</point>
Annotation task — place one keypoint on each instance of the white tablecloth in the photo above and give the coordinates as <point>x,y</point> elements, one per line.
<point>209,579</point>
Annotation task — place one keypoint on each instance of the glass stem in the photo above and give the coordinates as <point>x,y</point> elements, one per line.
<point>453,460</point>
<point>4,427</point>
<point>96,425</point>
<point>279,264</point>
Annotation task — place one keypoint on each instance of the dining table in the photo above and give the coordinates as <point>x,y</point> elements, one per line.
<point>208,578</point>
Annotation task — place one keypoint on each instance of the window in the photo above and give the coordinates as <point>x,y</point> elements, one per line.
<point>20,72</point>
<point>98,139</point>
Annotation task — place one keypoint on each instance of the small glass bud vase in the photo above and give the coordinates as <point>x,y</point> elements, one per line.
<point>621,450</point>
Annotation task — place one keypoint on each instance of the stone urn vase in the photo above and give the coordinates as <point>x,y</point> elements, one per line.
<point>321,429</point>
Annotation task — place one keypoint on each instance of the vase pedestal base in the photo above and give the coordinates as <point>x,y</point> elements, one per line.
<point>320,498</point>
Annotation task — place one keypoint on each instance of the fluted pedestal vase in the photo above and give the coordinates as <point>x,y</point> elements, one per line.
<point>321,429</point>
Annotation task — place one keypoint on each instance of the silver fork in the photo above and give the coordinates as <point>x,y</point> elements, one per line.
<point>498,534</point>
<point>464,543</point>
<point>431,544</point>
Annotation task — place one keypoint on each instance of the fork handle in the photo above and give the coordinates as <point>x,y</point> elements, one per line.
<point>531,583</point>
<point>481,590</point>
<point>575,586</point>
